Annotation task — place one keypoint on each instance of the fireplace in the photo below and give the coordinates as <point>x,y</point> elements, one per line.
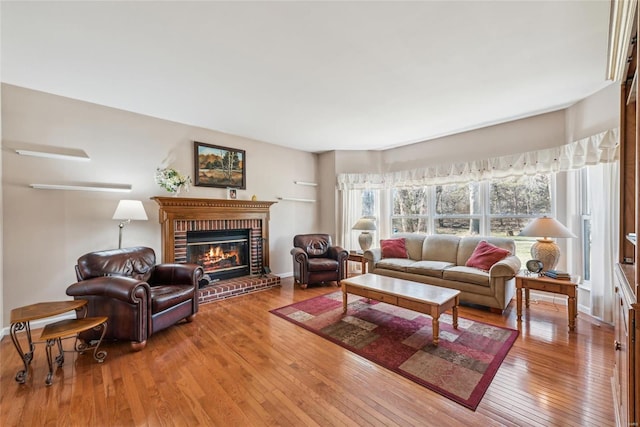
<point>223,254</point>
<point>200,221</point>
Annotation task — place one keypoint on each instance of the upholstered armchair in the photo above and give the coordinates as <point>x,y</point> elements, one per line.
<point>316,260</point>
<point>139,297</point>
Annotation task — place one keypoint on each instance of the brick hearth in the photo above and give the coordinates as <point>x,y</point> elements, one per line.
<point>179,215</point>
<point>237,286</point>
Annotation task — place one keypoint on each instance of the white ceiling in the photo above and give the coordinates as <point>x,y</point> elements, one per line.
<point>315,76</point>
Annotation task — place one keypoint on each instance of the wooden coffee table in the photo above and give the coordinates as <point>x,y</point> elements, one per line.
<point>427,299</point>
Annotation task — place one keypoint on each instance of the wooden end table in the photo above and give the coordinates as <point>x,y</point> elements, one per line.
<point>20,318</point>
<point>358,257</point>
<point>53,334</point>
<point>547,284</point>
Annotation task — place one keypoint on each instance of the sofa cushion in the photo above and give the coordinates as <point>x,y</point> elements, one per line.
<point>429,268</point>
<point>468,244</point>
<point>485,255</point>
<point>466,274</point>
<point>440,247</point>
<point>393,248</point>
<point>413,243</point>
<point>397,264</point>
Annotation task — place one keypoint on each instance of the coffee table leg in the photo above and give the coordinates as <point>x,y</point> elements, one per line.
<point>436,331</point>
<point>455,313</point>
<point>344,298</point>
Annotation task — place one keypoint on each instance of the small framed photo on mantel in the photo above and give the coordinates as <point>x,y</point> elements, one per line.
<point>221,167</point>
<point>232,193</point>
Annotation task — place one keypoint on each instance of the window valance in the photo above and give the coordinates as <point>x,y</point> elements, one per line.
<point>599,148</point>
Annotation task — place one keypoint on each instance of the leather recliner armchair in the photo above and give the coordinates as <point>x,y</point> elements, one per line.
<point>139,297</point>
<point>316,260</point>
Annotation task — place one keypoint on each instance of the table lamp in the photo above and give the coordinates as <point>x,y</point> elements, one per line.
<point>127,211</point>
<point>365,225</point>
<point>545,249</point>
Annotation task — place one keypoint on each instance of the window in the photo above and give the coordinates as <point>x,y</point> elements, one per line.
<point>410,210</point>
<point>457,209</point>
<point>368,203</point>
<point>498,208</point>
<point>513,202</point>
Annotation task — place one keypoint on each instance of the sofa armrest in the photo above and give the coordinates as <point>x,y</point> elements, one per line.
<point>508,267</point>
<point>122,288</point>
<point>373,255</point>
<point>176,274</point>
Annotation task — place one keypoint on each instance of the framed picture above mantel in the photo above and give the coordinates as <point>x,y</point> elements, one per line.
<point>221,167</point>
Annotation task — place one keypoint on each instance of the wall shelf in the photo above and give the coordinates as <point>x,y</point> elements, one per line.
<point>310,184</point>
<point>59,154</point>
<point>117,188</point>
<point>295,199</point>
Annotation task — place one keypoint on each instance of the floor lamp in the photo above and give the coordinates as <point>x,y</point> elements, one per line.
<point>127,211</point>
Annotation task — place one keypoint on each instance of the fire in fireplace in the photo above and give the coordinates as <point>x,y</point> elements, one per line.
<point>223,254</point>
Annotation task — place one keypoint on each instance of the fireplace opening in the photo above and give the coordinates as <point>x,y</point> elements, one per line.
<point>223,254</point>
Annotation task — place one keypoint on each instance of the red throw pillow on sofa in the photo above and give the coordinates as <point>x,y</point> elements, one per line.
<point>393,248</point>
<point>485,255</point>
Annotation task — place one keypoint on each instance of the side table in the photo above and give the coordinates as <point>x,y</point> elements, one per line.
<point>547,284</point>
<point>358,257</point>
<point>53,333</point>
<point>20,318</point>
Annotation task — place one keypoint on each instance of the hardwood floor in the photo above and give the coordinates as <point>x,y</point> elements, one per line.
<point>239,365</point>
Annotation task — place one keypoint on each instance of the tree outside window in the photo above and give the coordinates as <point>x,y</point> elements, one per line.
<point>410,210</point>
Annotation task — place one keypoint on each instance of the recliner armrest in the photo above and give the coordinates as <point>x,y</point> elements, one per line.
<point>337,253</point>
<point>176,274</point>
<point>508,267</point>
<point>122,288</point>
<point>299,255</point>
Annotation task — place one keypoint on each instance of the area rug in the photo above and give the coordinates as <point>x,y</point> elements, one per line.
<point>461,367</point>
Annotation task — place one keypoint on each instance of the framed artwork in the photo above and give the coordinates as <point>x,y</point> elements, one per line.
<point>232,193</point>
<point>220,167</point>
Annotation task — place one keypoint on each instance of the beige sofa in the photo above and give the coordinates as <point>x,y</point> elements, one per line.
<point>440,260</point>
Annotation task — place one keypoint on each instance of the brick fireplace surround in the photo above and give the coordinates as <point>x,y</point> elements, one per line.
<point>178,215</point>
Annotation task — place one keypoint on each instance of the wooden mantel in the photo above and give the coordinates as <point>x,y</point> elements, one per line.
<point>183,208</point>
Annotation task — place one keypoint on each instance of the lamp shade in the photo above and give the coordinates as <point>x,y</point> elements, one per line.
<point>546,227</point>
<point>365,224</point>
<point>130,210</point>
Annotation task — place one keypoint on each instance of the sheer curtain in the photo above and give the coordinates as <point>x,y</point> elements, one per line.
<point>351,212</point>
<point>603,180</point>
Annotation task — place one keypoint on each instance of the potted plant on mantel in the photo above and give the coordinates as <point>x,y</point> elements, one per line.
<point>172,180</point>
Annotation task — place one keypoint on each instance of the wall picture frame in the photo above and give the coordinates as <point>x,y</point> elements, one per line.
<point>232,193</point>
<point>221,167</point>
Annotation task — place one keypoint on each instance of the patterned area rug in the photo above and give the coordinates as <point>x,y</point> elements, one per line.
<point>460,368</point>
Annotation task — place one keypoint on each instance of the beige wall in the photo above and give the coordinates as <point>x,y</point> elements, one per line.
<point>45,231</point>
